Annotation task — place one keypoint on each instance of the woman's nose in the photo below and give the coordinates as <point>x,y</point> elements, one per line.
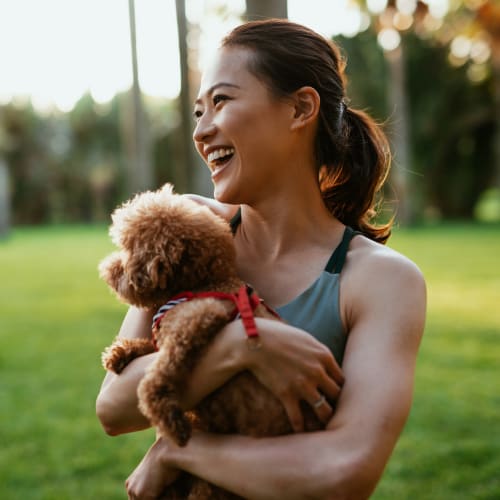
<point>204,129</point>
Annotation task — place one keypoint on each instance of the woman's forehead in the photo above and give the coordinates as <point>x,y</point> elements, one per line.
<point>229,65</point>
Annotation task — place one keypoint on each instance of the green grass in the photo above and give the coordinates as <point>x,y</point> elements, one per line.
<point>56,316</point>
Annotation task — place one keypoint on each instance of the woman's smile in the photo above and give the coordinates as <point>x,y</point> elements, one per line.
<point>240,127</point>
<point>219,165</point>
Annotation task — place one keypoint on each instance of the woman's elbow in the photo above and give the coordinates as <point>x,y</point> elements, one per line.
<point>107,416</point>
<point>356,479</point>
<point>361,483</point>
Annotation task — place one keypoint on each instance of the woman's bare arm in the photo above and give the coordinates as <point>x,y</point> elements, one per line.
<point>116,404</point>
<point>291,363</point>
<point>346,460</point>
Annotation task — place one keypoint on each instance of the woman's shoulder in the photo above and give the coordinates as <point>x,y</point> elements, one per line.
<point>378,278</point>
<point>368,258</point>
<point>224,210</point>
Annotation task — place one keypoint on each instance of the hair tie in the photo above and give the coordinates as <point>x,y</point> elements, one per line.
<point>344,104</point>
<point>342,110</point>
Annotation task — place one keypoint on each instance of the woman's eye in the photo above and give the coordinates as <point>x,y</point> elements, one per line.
<point>219,98</point>
<point>197,114</point>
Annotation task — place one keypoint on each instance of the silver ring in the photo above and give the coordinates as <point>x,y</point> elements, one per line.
<point>321,401</point>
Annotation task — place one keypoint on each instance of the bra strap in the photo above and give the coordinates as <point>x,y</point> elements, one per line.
<point>336,262</point>
<point>235,221</point>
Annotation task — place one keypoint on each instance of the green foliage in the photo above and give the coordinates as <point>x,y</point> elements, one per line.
<point>56,316</point>
<point>452,126</point>
<point>452,122</point>
<point>364,58</point>
<point>71,167</point>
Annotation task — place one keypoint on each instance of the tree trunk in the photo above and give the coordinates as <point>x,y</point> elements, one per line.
<point>140,174</point>
<point>189,172</point>
<point>399,135</point>
<point>488,16</point>
<point>496,95</point>
<point>4,199</point>
<point>262,9</point>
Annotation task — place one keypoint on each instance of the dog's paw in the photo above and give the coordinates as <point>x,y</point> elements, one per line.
<point>122,351</point>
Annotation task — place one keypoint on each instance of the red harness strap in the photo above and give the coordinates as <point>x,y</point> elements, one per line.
<point>245,301</point>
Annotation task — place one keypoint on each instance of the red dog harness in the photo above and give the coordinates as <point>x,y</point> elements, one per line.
<point>245,301</point>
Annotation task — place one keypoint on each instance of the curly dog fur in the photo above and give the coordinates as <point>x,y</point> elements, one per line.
<point>169,244</point>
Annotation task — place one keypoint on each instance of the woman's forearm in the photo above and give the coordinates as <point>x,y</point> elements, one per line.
<point>323,465</point>
<point>224,359</point>
<point>117,402</point>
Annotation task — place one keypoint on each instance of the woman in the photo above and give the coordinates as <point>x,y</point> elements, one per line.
<point>274,128</point>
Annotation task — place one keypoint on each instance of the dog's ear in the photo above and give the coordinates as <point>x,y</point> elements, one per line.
<point>111,270</point>
<point>146,275</point>
<point>157,273</point>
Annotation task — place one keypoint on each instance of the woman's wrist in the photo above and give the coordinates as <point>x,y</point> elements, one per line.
<point>243,351</point>
<point>137,323</point>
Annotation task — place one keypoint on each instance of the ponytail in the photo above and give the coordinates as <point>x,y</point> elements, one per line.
<point>352,177</point>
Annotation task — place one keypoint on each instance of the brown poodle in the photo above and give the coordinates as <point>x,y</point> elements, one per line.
<point>169,244</point>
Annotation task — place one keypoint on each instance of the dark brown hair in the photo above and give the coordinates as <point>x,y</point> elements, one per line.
<point>352,152</point>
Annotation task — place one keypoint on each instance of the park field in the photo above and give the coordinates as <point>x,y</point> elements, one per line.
<point>56,316</point>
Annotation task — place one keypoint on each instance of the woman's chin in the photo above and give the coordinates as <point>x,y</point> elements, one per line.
<point>223,194</point>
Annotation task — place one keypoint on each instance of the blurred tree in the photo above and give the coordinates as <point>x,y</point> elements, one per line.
<point>140,175</point>
<point>5,186</point>
<point>452,129</point>
<point>24,149</point>
<point>488,18</point>
<point>187,160</point>
<point>396,22</point>
<point>262,9</point>
<point>4,199</point>
<point>91,161</point>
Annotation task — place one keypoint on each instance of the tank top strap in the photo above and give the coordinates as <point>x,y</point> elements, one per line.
<point>336,262</point>
<point>235,221</point>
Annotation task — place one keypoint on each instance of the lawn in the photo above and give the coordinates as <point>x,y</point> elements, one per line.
<point>56,316</point>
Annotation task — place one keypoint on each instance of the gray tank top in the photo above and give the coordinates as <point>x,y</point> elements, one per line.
<point>317,309</point>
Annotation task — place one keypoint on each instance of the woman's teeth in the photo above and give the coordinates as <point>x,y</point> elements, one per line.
<point>219,153</point>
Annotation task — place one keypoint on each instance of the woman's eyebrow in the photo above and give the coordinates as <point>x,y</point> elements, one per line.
<point>216,86</point>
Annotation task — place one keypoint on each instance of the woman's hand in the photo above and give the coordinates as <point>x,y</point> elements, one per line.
<point>294,366</point>
<point>290,362</point>
<point>152,476</point>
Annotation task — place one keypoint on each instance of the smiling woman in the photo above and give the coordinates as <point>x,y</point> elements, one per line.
<point>296,171</point>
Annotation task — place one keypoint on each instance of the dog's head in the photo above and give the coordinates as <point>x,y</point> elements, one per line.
<point>167,243</point>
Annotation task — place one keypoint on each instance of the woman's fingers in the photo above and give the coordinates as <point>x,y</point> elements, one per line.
<point>294,413</point>
<point>321,407</point>
<point>330,388</point>
<point>333,369</point>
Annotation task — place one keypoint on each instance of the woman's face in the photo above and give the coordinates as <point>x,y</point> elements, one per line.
<point>242,131</point>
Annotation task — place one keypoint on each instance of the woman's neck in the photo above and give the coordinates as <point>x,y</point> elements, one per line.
<point>291,219</point>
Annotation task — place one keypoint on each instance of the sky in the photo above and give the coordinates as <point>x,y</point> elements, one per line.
<point>56,50</point>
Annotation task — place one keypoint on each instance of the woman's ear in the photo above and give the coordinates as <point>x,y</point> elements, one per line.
<point>306,102</point>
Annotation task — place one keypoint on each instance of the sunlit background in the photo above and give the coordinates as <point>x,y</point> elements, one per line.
<point>54,51</point>
<point>104,84</point>
<point>81,130</point>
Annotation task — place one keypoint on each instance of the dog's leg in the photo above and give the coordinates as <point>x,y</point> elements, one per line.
<point>122,351</point>
<point>184,334</point>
